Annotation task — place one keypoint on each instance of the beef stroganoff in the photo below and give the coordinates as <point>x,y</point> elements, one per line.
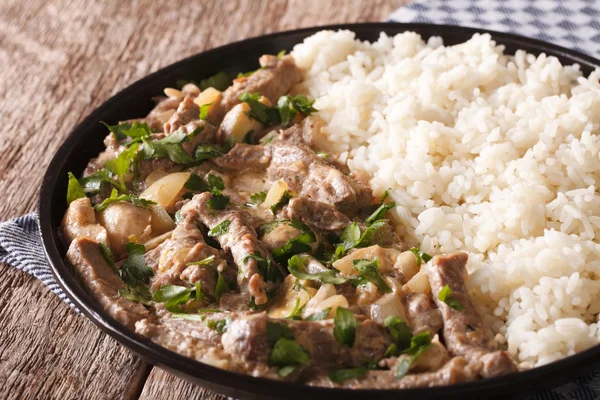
<point>394,214</point>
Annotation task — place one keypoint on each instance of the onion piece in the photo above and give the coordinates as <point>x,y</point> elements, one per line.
<point>275,193</point>
<point>167,190</point>
<point>418,284</point>
<point>288,298</point>
<point>388,304</point>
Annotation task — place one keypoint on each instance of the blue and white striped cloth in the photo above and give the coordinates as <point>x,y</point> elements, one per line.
<point>573,24</point>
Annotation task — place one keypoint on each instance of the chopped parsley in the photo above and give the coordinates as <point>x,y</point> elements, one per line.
<point>296,266</point>
<point>369,270</point>
<point>259,111</point>
<point>220,229</point>
<point>344,326</point>
<point>281,54</point>
<point>284,113</point>
<point>318,316</point>
<point>221,287</point>
<point>170,147</point>
<point>421,257</point>
<point>297,245</point>
<point>285,198</point>
<point>196,184</point>
<point>418,344</point>
<point>446,296</point>
<point>120,165</point>
<point>206,152</point>
<point>204,108</point>
<point>379,213</point>
<point>130,198</point>
<point>173,296</point>
<point>400,332</point>
<point>220,81</point>
<point>288,354</point>
<point>257,199</point>
<point>136,131</point>
<point>219,325</point>
<point>135,274</point>
<point>206,261</point>
<point>268,271</point>
<point>297,311</point>
<point>342,375</point>
<point>276,331</point>
<point>74,189</point>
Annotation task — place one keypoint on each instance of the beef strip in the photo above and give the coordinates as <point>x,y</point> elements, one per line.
<point>240,240</point>
<point>192,339</point>
<point>422,314</point>
<point>304,133</point>
<point>187,111</point>
<point>305,173</point>
<point>169,260</point>
<point>275,78</point>
<point>102,282</point>
<point>465,333</point>
<point>246,337</point>
<point>319,216</point>
<point>457,370</point>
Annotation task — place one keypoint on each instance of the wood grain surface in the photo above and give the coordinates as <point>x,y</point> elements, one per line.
<point>59,59</point>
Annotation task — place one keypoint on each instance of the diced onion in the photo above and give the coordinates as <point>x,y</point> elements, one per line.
<point>388,304</point>
<point>407,264</point>
<point>418,283</point>
<point>167,190</point>
<point>237,123</point>
<point>288,298</point>
<point>275,193</point>
<point>161,220</point>
<point>155,175</point>
<point>385,257</point>
<point>334,302</point>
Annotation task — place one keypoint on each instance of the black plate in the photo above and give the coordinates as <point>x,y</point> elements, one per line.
<point>85,142</point>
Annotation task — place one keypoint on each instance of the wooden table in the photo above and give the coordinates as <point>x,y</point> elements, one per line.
<point>59,59</point>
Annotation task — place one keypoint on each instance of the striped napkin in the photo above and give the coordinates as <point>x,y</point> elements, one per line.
<point>573,24</point>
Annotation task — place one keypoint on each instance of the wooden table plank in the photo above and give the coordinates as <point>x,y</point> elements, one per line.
<point>59,59</point>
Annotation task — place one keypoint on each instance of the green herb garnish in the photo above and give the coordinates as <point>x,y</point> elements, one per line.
<point>296,266</point>
<point>344,329</point>
<point>421,257</point>
<point>74,189</point>
<point>220,81</point>
<point>206,261</point>
<point>369,270</point>
<point>219,229</point>
<point>129,198</point>
<point>446,296</point>
<point>342,375</point>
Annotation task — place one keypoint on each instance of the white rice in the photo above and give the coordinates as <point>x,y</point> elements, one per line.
<point>486,153</point>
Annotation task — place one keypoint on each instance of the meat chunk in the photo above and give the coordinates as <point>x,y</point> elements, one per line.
<point>170,260</point>
<point>246,337</point>
<point>80,221</point>
<point>457,370</point>
<point>305,133</point>
<point>275,78</point>
<point>305,173</point>
<point>317,215</point>
<point>163,110</point>
<point>102,282</point>
<point>240,240</point>
<point>422,314</point>
<point>192,339</point>
<point>187,111</point>
<point>464,331</point>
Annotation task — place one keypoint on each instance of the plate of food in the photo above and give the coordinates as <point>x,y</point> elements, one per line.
<point>340,212</point>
